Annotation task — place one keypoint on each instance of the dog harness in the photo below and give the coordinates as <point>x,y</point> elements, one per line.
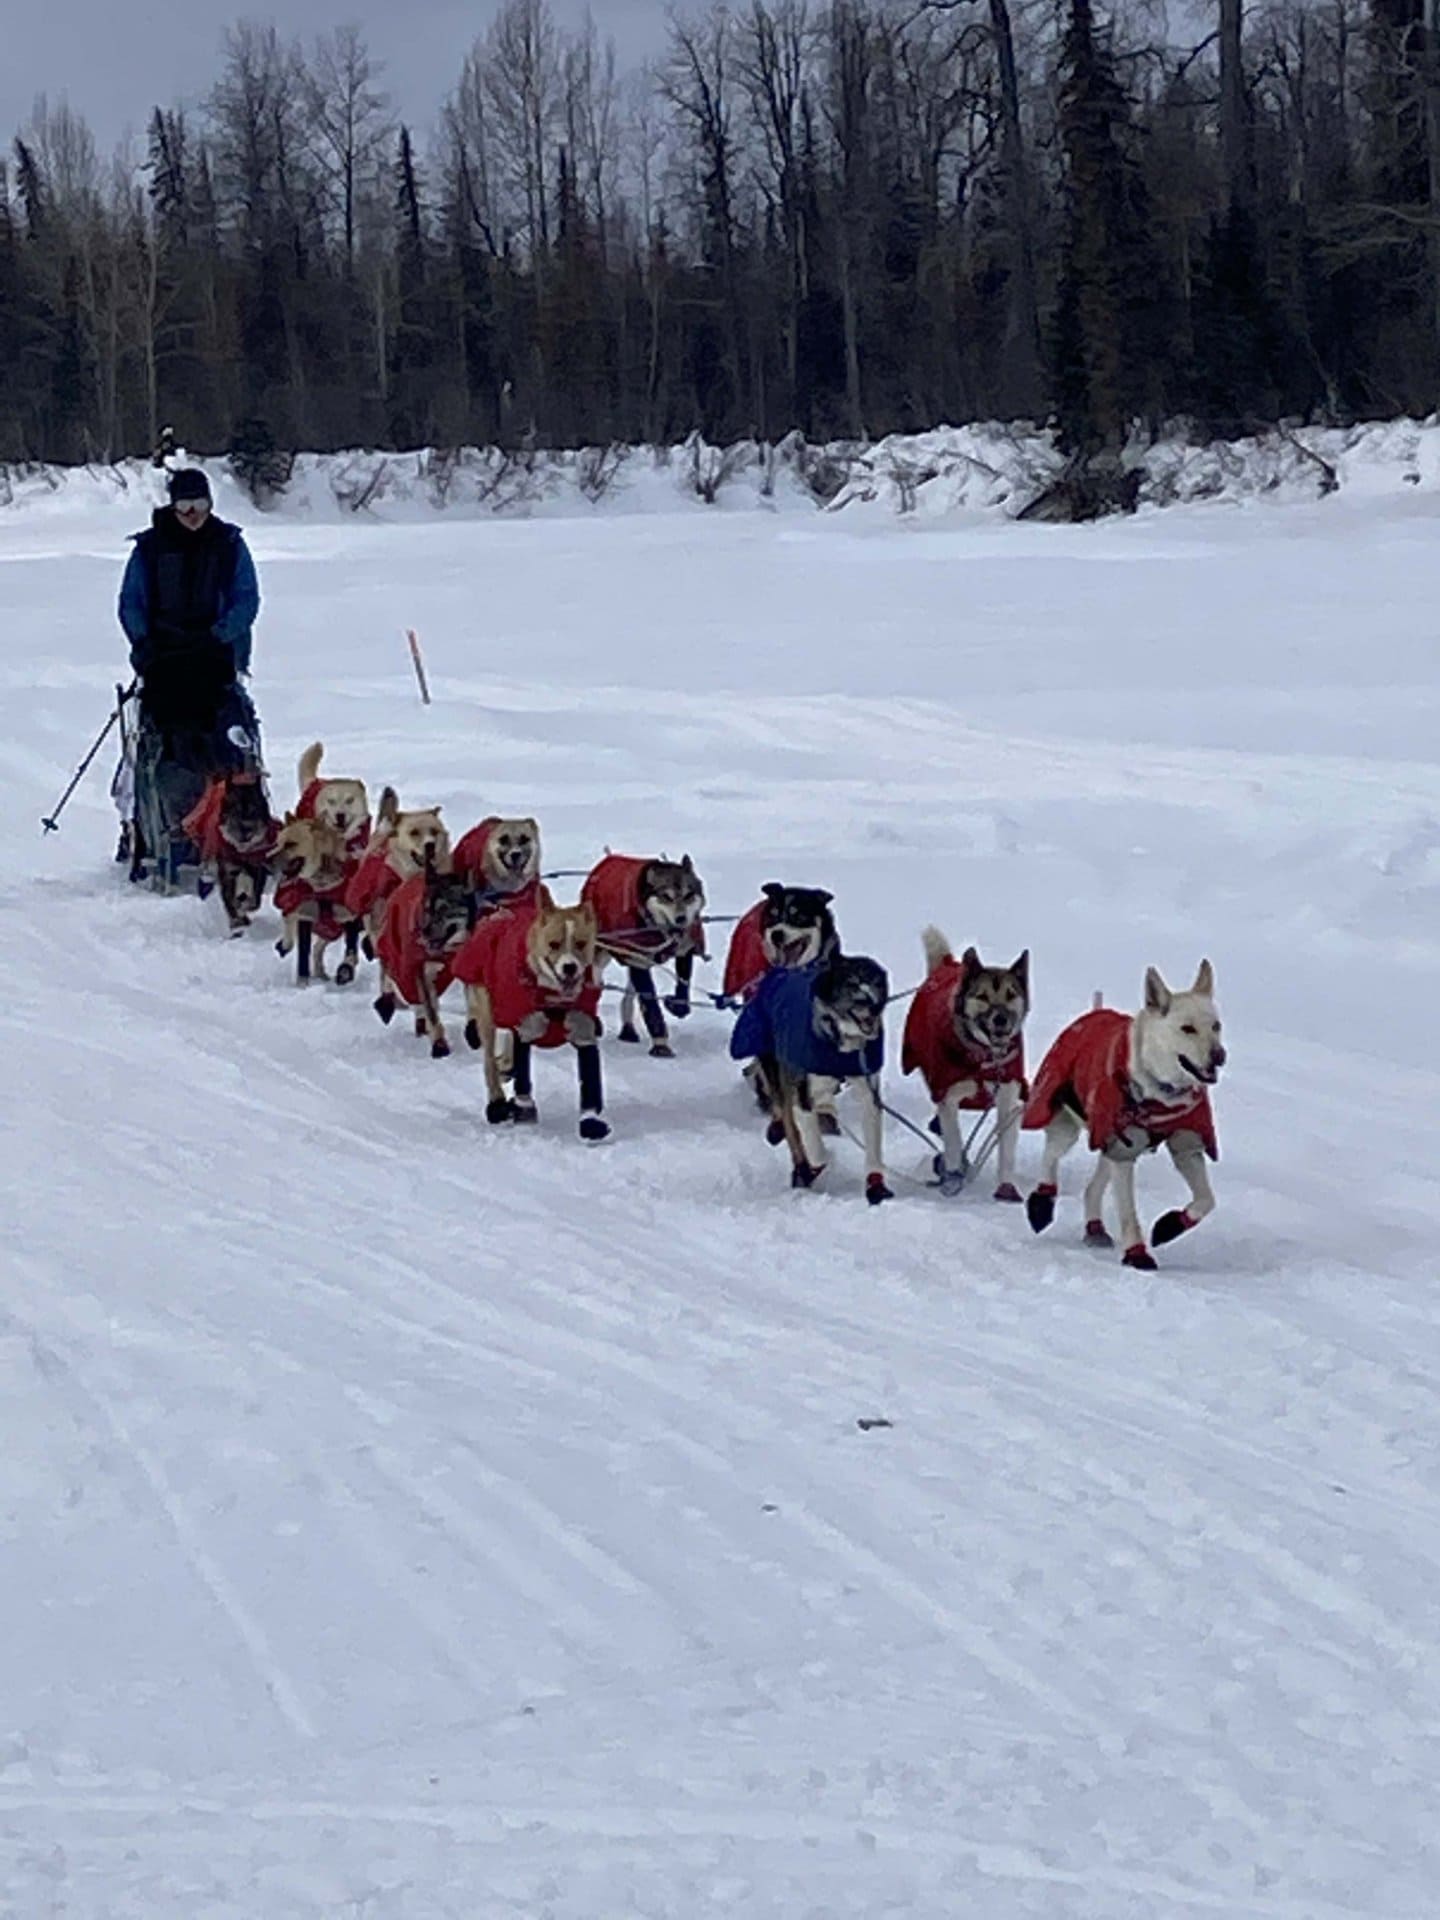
<point>204,826</point>
<point>778,1022</point>
<point>496,956</point>
<point>612,887</point>
<point>401,949</point>
<point>1088,1067</point>
<point>933,1047</point>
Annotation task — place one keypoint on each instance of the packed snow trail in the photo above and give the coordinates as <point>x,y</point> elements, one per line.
<point>420,1522</point>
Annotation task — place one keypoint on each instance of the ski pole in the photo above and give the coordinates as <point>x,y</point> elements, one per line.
<point>51,821</point>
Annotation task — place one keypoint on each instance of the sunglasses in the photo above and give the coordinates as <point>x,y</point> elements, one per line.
<point>192,505</point>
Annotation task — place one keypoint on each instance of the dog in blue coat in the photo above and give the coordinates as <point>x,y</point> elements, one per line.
<point>813,1030</point>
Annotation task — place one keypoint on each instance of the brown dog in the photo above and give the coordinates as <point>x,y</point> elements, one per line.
<point>533,972</point>
<point>404,843</point>
<point>341,804</point>
<point>500,858</point>
<point>312,870</point>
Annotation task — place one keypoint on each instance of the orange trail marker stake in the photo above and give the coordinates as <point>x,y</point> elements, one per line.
<point>419,664</point>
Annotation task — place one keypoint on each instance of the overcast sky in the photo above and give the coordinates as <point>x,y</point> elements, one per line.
<point>114,62</point>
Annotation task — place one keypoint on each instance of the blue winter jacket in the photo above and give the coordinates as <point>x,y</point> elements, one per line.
<point>779,1020</point>
<point>237,598</point>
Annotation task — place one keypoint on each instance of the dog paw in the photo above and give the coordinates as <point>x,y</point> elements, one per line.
<point>1096,1234</point>
<point>593,1128</point>
<point>1140,1257</point>
<point>1040,1209</point>
<point>952,1180</point>
<point>804,1175</point>
<point>499,1112</point>
<point>284,948</point>
<point>678,1005</point>
<point>440,1048</point>
<point>662,1050</point>
<point>344,973</point>
<point>829,1124</point>
<point>385,1006</point>
<point>628,1034</point>
<point>237,929</point>
<point>1007,1190</point>
<point>1171,1225</point>
<point>472,1035</point>
<point>775,1133</point>
<point>876,1189</point>
<point>522,1112</point>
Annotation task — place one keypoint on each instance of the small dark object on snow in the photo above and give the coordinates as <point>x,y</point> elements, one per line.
<point>876,1420</point>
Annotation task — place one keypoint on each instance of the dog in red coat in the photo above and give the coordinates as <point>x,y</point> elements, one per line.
<point>501,860</point>
<point>339,803</point>
<point>649,915</point>
<point>312,870</point>
<point>404,843</point>
<point>234,833</point>
<point>1135,1082</point>
<point>965,1034</point>
<point>427,919</point>
<point>532,971</point>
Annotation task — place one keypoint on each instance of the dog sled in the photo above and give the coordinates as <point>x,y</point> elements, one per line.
<point>167,761</point>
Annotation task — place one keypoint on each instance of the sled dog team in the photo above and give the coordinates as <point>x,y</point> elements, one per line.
<point>811,1019</point>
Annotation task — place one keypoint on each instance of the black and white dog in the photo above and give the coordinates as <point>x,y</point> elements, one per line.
<point>814,1030</point>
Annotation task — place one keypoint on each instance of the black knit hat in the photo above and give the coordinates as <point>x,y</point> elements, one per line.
<point>189,484</point>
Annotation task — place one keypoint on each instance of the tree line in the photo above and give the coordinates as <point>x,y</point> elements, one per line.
<point>847,218</point>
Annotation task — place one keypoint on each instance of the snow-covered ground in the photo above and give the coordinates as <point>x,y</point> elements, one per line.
<point>403,1521</point>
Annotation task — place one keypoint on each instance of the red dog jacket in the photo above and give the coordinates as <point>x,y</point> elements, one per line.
<point>400,949</point>
<point>612,887</point>
<point>373,881</point>
<point>494,957</point>
<point>932,1045</point>
<point>746,959</point>
<point>1091,1059</point>
<point>203,825</point>
<point>331,916</point>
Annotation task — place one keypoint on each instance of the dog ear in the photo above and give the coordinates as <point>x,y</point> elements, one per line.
<point>389,810</point>
<point>587,920</point>
<point>773,892</point>
<point>1157,994</point>
<point>1204,979</point>
<point>687,865</point>
<point>822,898</point>
<point>290,818</point>
<point>969,962</point>
<point>1021,970</point>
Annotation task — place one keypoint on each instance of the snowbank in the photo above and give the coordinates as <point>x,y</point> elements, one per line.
<point>985,470</point>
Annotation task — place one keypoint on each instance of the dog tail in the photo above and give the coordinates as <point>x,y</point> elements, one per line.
<point>388,812</point>
<point>937,949</point>
<point>310,763</point>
